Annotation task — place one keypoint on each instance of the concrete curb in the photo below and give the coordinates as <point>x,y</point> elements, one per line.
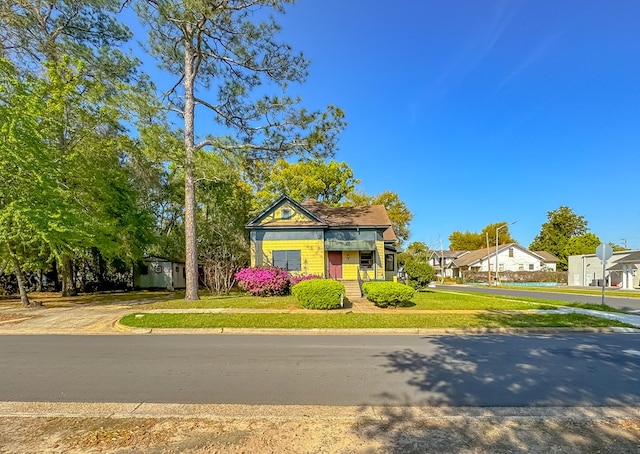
<point>283,412</point>
<point>371,331</point>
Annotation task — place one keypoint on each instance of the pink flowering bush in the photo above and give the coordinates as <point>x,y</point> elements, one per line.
<point>263,280</point>
<point>306,277</point>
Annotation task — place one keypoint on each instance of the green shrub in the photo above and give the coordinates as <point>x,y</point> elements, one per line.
<point>419,274</point>
<point>319,293</point>
<point>384,294</point>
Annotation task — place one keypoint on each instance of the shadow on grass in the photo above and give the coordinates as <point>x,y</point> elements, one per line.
<point>586,372</point>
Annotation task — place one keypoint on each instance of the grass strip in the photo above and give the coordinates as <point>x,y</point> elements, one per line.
<point>352,320</point>
<point>575,291</point>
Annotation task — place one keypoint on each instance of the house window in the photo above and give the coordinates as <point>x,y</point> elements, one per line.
<point>501,267</point>
<point>177,269</point>
<point>158,269</point>
<point>520,266</point>
<point>389,263</point>
<point>287,260</point>
<point>366,259</point>
<point>510,252</point>
<point>530,266</point>
<point>144,269</point>
<point>285,213</point>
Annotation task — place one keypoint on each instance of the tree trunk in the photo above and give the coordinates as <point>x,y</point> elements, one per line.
<point>66,272</point>
<point>23,291</point>
<point>191,253</point>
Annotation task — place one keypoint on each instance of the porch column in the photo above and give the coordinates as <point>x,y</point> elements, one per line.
<point>627,278</point>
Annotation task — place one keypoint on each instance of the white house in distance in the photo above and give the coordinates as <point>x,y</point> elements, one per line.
<point>621,270</point>
<point>510,257</point>
<point>442,261</point>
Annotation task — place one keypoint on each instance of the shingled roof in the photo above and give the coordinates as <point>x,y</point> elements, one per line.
<point>358,216</point>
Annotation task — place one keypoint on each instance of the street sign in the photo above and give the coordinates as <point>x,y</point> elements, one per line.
<point>604,251</point>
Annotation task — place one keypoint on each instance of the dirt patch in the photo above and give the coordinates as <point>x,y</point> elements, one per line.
<point>309,435</point>
<point>54,299</point>
<point>13,318</point>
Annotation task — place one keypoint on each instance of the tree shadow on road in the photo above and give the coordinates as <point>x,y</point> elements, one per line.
<point>466,375</point>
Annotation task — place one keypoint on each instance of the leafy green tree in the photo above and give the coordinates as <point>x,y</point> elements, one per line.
<point>582,244</point>
<point>74,47</point>
<point>414,261</point>
<point>562,225</point>
<point>225,61</point>
<point>504,236</point>
<point>470,241</point>
<point>58,204</point>
<point>416,250</point>
<point>399,213</point>
<point>466,241</point>
<point>329,182</point>
<point>27,176</point>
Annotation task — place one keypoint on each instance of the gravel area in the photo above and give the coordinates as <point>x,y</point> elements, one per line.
<point>326,430</point>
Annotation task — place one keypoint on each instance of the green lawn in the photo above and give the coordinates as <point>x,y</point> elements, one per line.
<point>234,300</point>
<point>596,291</point>
<point>440,300</point>
<point>353,320</point>
<point>453,300</point>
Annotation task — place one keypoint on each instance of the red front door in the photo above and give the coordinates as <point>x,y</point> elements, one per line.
<point>335,265</point>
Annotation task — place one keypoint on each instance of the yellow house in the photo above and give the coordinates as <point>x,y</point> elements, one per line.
<point>344,243</point>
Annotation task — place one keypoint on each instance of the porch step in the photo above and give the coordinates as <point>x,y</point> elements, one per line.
<point>352,289</point>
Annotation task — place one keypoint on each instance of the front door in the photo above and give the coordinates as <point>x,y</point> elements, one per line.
<point>335,265</point>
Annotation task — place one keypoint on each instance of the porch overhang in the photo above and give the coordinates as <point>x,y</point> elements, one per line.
<point>349,245</point>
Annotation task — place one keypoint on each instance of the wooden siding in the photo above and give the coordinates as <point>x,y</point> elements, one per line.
<point>275,217</point>
<point>311,253</point>
<point>350,265</point>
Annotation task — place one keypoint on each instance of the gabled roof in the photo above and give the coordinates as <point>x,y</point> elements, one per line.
<point>547,256</point>
<point>475,256</point>
<point>313,219</point>
<point>373,216</point>
<point>448,254</point>
<point>631,258</point>
<point>320,215</point>
<point>481,254</point>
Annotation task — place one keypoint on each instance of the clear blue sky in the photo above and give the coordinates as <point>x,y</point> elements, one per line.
<point>481,111</point>
<point>484,111</point>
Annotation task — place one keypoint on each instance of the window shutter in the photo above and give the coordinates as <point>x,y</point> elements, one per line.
<point>294,262</point>
<point>280,259</point>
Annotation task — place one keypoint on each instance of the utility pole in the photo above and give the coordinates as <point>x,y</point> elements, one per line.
<point>441,261</point>
<point>488,262</point>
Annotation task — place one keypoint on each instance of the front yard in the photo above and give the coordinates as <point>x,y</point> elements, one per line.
<point>446,310</point>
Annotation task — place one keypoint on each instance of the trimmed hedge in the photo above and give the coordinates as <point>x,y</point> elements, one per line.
<point>384,294</point>
<point>319,293</point>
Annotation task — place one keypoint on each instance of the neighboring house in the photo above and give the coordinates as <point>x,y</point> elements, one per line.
<point>159,272</point>
<point>510,257</point>
<point>442,261</point>
<point>621,270</point>
<point>333,242</point>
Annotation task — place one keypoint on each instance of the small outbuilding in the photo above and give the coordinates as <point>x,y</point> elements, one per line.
<point>160,272</point>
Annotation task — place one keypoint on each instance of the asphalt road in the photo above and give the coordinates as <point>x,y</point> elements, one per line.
<point>487,370</point>
<point>612,297</point>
